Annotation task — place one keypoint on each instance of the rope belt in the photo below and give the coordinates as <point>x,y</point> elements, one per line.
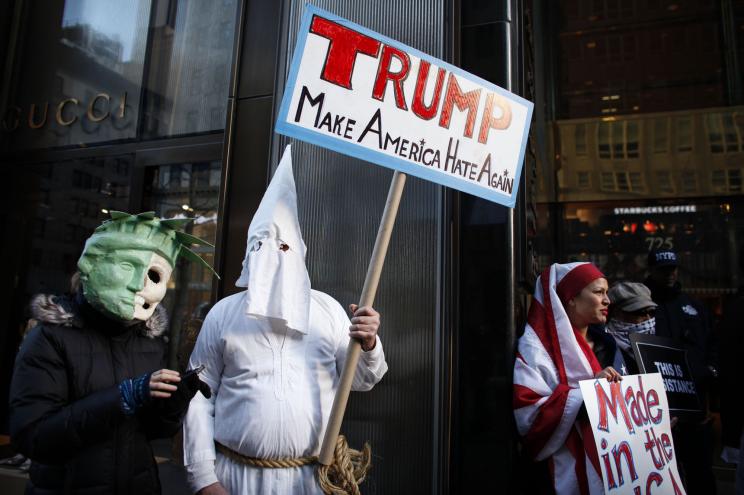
<point>343,477</point>
<point>281,462</point>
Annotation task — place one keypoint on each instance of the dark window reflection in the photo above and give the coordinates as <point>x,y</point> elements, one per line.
<point>644,104</point>
<point>617,236</point>
<point>186,190</point>
<point>48,210</point>
<point>78,73</point>
<point>58,205</point>
<point>80,67</point>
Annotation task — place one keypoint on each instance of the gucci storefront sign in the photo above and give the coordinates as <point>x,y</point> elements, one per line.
<point>65,112</point>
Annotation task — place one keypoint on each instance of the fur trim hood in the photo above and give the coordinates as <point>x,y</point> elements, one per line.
<point>62,311</point>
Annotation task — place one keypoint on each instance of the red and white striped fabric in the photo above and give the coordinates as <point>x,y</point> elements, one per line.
<point>552,358</point>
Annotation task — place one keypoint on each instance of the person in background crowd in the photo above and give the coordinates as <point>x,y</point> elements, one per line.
<point>731,332</point>
<point>605,348</point>
<point>685,320</point>
<point>85,396</point>
<point>553,356</point>
<point>631,311</point>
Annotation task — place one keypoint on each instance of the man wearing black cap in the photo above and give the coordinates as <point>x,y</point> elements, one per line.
<point>685,320</point>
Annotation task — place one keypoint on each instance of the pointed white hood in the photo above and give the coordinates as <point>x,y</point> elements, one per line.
<point>274,269</point>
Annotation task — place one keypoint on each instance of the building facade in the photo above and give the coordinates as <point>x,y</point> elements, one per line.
<point>644,147</point>
<point>169,105</point>
<point>637,140</point>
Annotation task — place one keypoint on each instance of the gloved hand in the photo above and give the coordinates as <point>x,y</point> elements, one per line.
<point>192,384</point>
<point>186,389</point>
<point>135,393</point>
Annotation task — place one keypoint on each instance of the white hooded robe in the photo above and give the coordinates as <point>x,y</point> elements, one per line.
<point>273,369</point>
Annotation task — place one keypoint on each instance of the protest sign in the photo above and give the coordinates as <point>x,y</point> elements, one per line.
<point>665,356</point>
<point>360,93</point>
<point>630,422</point>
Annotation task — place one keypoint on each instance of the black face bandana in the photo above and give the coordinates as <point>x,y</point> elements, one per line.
<point>621,331</point>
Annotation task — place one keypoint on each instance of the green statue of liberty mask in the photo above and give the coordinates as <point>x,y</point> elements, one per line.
<point>127,262</point>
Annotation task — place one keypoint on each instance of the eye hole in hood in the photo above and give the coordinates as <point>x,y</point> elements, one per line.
<point>276,221</point>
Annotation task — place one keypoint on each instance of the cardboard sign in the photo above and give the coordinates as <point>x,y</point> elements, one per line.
<point>360,93</point>
<point>630,422</point>
<point>660,355</point>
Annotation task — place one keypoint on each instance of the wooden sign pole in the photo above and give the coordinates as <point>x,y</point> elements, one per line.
<point>367,299</point>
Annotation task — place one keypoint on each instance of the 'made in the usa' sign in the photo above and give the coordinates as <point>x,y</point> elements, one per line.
<point>359,93</point>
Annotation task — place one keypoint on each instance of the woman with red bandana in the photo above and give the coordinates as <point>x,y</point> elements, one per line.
<point>554,354</point>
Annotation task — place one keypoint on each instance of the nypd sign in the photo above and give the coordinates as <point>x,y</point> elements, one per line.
<point>359,93</point>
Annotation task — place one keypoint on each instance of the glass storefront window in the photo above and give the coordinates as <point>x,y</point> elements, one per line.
<point>113,72</point>
<point>58,205</point>
<point>187,190</point>
<point>78,72</point>
<point>618,236</point>
<point>83,69</point>
<point>68,201</point>
<point>191,49</point>
<point>647,127</point>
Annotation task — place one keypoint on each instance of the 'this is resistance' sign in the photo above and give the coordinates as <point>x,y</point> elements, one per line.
<point>359,93</point>
<point>667,357</point>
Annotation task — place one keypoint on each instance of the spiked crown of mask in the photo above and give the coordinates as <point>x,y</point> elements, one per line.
<point>145,232</point>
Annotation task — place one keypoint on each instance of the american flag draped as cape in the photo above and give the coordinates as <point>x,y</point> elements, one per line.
<point>551,360</point>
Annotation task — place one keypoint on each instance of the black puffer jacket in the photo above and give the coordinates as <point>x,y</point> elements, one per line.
<point>731,330</point>
<point>65,410</point>
<point>686,320</point>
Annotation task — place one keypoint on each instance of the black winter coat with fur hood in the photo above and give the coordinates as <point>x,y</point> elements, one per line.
<point>65,409</point>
